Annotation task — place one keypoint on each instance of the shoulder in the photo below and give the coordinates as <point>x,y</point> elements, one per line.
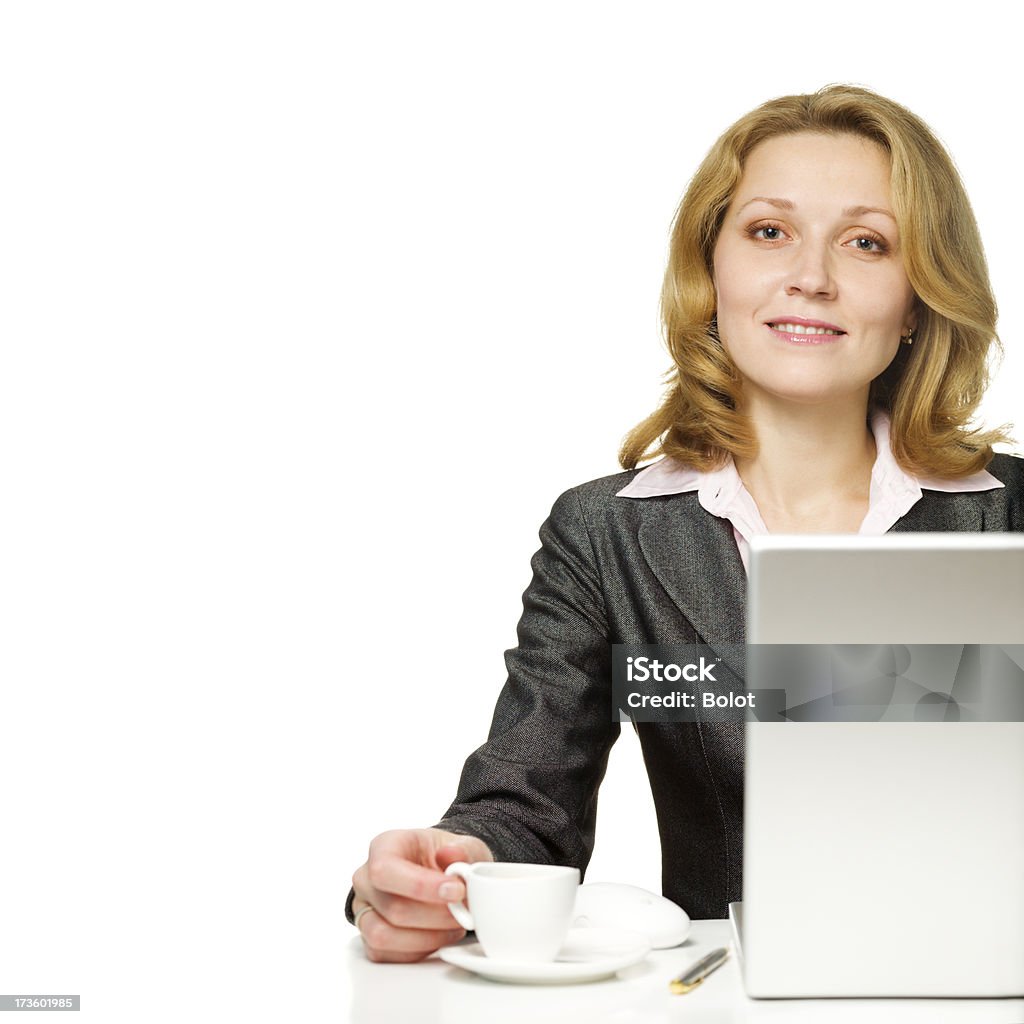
<point>603,489</point>
<point>604,492</point>
<point>591,500</point>
<point>598,504</point>
<point>1005,506</point>
<point>1009,471</point>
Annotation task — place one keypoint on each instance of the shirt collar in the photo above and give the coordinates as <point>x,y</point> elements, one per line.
<point>720,488</point>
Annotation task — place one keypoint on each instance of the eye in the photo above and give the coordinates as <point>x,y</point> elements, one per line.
<point>870,244</point>
<point>765,232</point>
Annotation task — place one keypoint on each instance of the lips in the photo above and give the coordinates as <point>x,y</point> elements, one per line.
<point>804,333</point>
<point>793,325</point>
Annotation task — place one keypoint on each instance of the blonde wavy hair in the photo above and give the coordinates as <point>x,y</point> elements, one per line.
<point>931,389</point>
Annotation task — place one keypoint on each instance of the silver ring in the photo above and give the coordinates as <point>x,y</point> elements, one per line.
<point>360,914</point>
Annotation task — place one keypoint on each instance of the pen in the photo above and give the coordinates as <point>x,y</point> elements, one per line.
<point>691,978</point>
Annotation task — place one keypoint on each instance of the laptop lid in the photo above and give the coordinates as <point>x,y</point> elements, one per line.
<point>883,837</point>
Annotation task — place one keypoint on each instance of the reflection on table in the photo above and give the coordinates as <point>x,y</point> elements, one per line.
<point>432,991</point>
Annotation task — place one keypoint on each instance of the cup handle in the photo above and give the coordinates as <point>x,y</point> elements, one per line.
<point>459,911</point>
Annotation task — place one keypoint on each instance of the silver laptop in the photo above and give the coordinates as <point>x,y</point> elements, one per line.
<point>884,851</point>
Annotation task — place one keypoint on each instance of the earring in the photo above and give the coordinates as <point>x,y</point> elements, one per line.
<point>908,338</point>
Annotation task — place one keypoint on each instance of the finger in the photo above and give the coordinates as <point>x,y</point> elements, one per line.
<point>380,881</point>
<point>399,910</point>
<point>394,874</point>
<point>406,862</point>
<point>384,939</point>
<point>405,913</point>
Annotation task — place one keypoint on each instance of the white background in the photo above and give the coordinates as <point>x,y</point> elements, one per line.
<point>309,312</point>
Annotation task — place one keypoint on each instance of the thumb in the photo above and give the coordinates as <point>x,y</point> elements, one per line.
<point>468,849</point>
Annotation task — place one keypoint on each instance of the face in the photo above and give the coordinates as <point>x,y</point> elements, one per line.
<point>809,243</point>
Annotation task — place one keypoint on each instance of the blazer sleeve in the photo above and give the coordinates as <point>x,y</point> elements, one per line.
<point>530,792</point>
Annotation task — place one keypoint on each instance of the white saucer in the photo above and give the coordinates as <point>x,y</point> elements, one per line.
<point>586,955</point>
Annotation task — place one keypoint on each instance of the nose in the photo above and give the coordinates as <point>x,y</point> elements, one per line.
<point>811,272</point>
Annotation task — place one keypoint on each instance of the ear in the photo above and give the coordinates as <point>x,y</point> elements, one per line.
<point>911,323</point>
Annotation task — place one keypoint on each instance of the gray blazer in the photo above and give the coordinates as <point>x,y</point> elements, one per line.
<point>657,571</point>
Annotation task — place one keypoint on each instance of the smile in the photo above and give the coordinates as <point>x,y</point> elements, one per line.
<point>802,334</point>
<point>786,328</point>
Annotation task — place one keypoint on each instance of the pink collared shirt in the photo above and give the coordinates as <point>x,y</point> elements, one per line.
<point>722,493</point>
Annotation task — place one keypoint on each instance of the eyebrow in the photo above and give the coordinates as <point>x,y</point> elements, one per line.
<point>788,204</point>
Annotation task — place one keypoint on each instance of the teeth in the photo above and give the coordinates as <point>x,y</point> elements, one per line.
<point>802,329</point>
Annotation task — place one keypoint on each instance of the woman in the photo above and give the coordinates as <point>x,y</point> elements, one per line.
<point>829,315</point>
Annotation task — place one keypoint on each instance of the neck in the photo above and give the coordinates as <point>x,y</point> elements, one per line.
<point>810,457</point>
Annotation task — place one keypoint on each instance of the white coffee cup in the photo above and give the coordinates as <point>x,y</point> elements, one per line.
<point>518,911</point>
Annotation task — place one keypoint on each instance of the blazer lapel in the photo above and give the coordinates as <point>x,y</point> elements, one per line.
<point>943,512</point>
<point>694,556</point>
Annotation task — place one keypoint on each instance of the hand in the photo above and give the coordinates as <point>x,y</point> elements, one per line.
<point>403,881</point>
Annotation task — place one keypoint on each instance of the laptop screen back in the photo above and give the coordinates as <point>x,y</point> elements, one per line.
<point>886,857</point>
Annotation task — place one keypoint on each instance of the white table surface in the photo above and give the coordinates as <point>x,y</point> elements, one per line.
<point>433,991</point>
